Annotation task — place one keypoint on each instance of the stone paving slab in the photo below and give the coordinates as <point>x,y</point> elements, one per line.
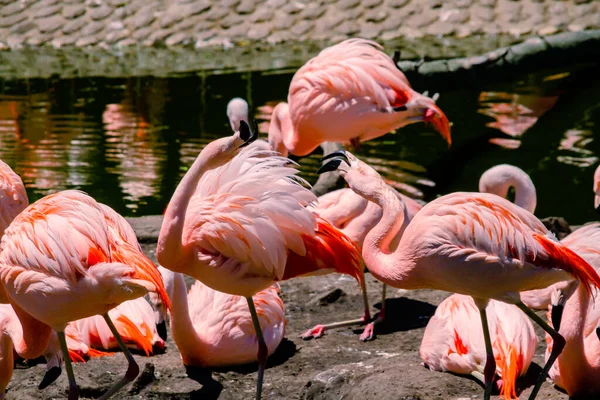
<point>216,26</point>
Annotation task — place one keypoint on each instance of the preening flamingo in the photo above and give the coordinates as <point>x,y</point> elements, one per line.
<point>454,342</point>
<point>349,92</point>
<point>476,244</point>
<point>214,329</point>
<point>135,322</point>
<point>355,216</point>
<point>578,367</point>
<point>238,222</point>
<point>65,258</point>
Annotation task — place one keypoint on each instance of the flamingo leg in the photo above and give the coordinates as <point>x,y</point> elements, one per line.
<point>132,369</point>
<point>369,332</point>
<point>263,351</point>
<point>318,330</point>
<point>73,389</point>
<point>490,364</point>
<point>557,347</point>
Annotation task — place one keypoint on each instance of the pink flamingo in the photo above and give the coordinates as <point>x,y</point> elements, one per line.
<point>63,259</point>
<point>135,322</point>
<point>355,216</point>
<point>452,341</point>
<point>476,244</point>
<point>214,329</point>
<point>350,92</point>
<point>578,367</point>
<point>239,223</point>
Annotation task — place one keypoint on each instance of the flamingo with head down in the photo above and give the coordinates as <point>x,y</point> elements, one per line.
<point>349,93</point>
<point>476,244</point>
<point>238,222</point>
<point>66,257</point>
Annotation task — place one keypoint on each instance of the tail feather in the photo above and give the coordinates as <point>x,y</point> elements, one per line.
<point>94,353</point>
<point>131,333</point>
<point>75,356</point>
<point>328,249</point>
<point>145,269</point>
<point>566,259</point>
<point>510,366</point>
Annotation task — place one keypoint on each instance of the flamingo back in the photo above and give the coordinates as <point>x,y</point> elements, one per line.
<point>224,324</point>
<point>491,232</point>
<point>13,196</point>
<point>246,215</point>
<point>453,340</point>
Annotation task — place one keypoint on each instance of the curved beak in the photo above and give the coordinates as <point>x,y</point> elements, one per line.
<point>440,122</point>
<point>246,134</point>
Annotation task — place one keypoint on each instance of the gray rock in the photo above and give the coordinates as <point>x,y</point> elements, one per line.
<point>91,28</point>
<point>7,22</point>
<point>101,12</point>
<point>73,11</point>
<point>52,24</point>
<point>12,8</point>
<point>47,11</point>
<point>73,26</point>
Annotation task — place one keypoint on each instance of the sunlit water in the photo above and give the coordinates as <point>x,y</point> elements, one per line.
<point>128,142</point>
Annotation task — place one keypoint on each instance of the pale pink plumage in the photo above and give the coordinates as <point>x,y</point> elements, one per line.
<point>453,340</point>
<point>13,200</point>
<point>597,188</point>
<point>214,329</point>
<point>238,223</point>
<point>351,91</point>
<point>64,258</point>
<point>475,244</point>
<point>578,367</point>
<point>134,319</point>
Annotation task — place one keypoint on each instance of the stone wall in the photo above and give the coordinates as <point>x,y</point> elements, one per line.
<point>119,25</point>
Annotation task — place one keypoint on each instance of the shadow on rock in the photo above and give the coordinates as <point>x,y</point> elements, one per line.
<point>403,314</point>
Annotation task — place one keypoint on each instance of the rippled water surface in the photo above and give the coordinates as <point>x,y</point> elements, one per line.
<point>128,142</point>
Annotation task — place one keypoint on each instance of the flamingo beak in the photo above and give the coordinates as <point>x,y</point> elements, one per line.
<point>49,377</point>
<point>439,121</point>
<point>246,134</point>
<point>597,202</point>
<point>337,158</point>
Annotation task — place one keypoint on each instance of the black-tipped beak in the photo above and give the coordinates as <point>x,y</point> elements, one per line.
<point>330,166</point>
<point>598,209</point>
<point>598,332</point>
<point>340,153</point>
<point>161,328</point>
<point>246,134</point>
<point>557,312</point>
<point>49,377</point>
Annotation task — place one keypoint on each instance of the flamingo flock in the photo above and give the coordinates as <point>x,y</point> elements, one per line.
<point>73,276</point>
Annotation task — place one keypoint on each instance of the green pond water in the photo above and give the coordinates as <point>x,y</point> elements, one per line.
<point>127,142</point>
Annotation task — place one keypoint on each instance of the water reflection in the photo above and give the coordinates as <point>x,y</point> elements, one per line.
<point>128,142</point>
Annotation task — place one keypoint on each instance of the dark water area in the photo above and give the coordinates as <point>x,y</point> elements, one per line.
<point>128,142</point>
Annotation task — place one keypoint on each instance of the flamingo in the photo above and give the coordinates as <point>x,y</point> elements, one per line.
<point>214,329</point>
<point>476,244</point>
<point>238,222</point>
<point>65,258</point>
<point>237,110</point>
<point>578,367</point>
<point>453,343</point>
<point>355,216</point>
<point>350,92</point>
<point>134,320</point>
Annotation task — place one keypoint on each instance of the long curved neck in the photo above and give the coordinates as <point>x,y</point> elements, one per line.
<point>382,263</point>
<point>281,131</point>
<point>185,336</point>
<point>573,362</point>
<point>525,196</point>
<point>169,250</point>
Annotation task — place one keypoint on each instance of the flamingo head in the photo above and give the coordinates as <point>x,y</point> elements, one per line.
<point>237,110</point>
<point>361,177</point>
<point>220,151</point>
<point>422,108</point>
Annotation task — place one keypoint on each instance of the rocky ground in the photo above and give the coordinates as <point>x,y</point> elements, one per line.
<point>335,366</point>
